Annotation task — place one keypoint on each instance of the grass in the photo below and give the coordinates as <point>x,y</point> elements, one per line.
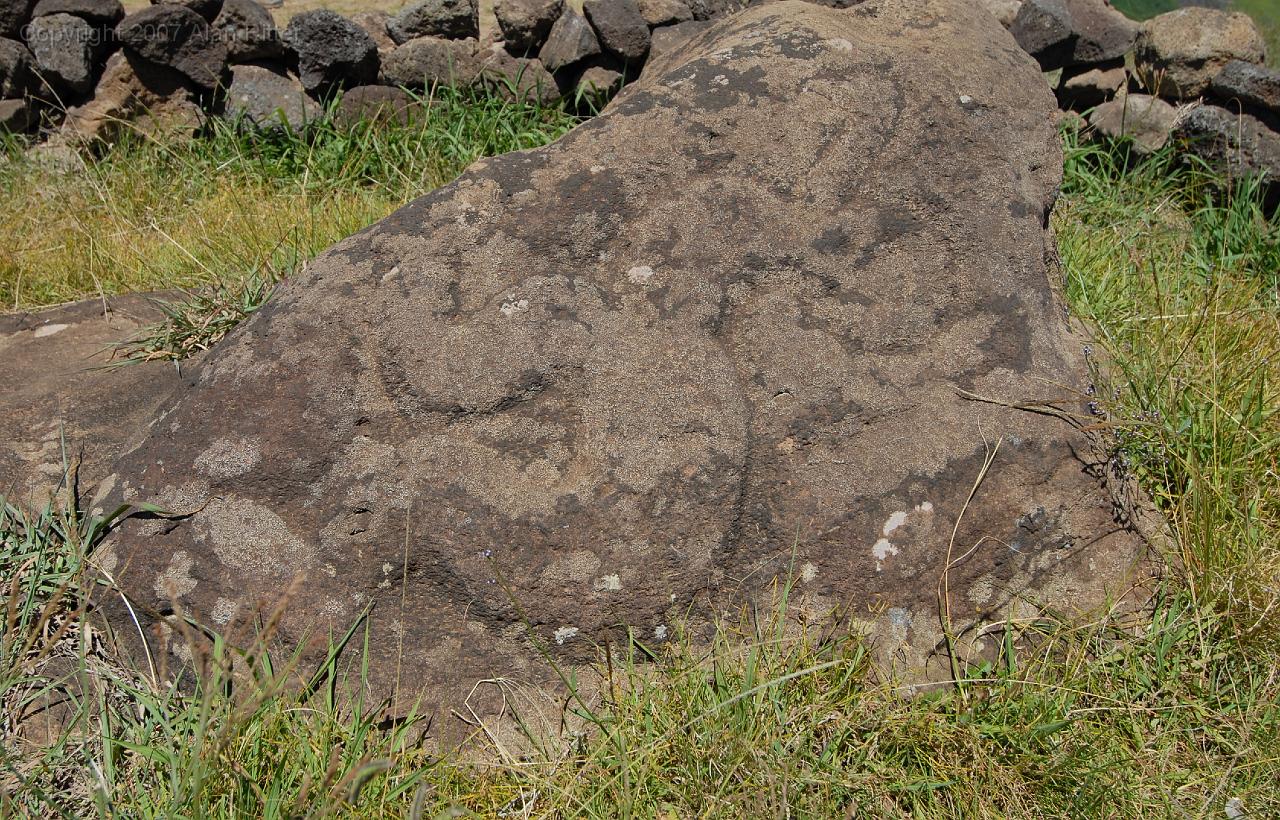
<point>174,213</point>
<point>1169,711</point>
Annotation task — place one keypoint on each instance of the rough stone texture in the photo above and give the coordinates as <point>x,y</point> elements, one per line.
<point>176,37</point>
<point>525,24</point>
<point>208,9</point>
<point>55,358</point>
<point>599,84</point>
<point>516,78</point>
<point>133,93</point>
<point>1148,120</point>
<point>248,31</point>
<point>267,99</point>
<point>669,38</point>
<point>66,50</point>
<point>571,40</point>
<point>1006,11</point>
<point>1239,144</point>
<point>710,9</point>
<point>14,14</point>
<point>95,11</point>
<point>1180,52</point>
<point>16,64</point>
<point>374,24</point>
<point>333,52</point>
<point>16,116</point>
<point>428,61</point>
<point>620,385</point>
<point>1252,86</point>
<point>664,12</point>
<point>453,19</point>
<point>620,27</point>
<point>375,103</point>
<point>1093,87</point>
<point>1060,33</point>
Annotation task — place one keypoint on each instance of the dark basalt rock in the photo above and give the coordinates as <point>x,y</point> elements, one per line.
<point>176,37</point>
<point>570,41</point>
<point>333,52</point>
<point>621,386</point>
<point>620,27</point>
<point>451,19</point>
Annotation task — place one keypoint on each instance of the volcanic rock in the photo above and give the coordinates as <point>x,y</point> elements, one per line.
<point>731,330</point>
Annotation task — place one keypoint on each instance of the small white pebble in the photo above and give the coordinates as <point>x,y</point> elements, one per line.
<point>565,633</point>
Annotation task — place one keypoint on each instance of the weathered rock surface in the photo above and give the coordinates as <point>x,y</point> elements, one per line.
<point>1006,11</point>
<point>428,61</point>
<point>1180,52</point>
<point>1093,87</point>
<point>618,385</point>
<point>16,116</point>
<point>248,31</point>
<point>208,9</point>
<point>375,103</point>
<point>1252,86</point>
<point>95,11</point>
<point>1147,120</point>
<point>176,37</point>
<point>570,41</point>
<point>333,52</point>
<point>1060,33</point>
<point>66,50</point>
<point>268,99</point>
<point>516,78</point>
<point>132,93</point>
<point>374,24</point>
<point>53,359</point>
<point>664,12</point>
<point>14,14</point>
<point>620,27</point>
<point>454,19</point>
<point>598,84</point>
<point>525,24</point>
<point>668,38</point>
<point>1238,144</point>
<point>16,64</point>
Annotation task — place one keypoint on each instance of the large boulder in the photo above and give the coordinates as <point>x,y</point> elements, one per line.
<point>1060,33</point>
<point>570,41</point>
<point>620,26</point>
<point>1235,144</point>
<point>333,52</point>
<point>268,100</point>
<point>68,399</point>
<point>178,38</point>
<point>248,31</point>
<point>1180,52</point>
<point>452,19</point>
<point>66,50</point>
<point>587,390</point>
<point>525,24</point>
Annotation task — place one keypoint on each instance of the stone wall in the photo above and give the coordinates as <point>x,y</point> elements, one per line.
<point>82,69</point>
